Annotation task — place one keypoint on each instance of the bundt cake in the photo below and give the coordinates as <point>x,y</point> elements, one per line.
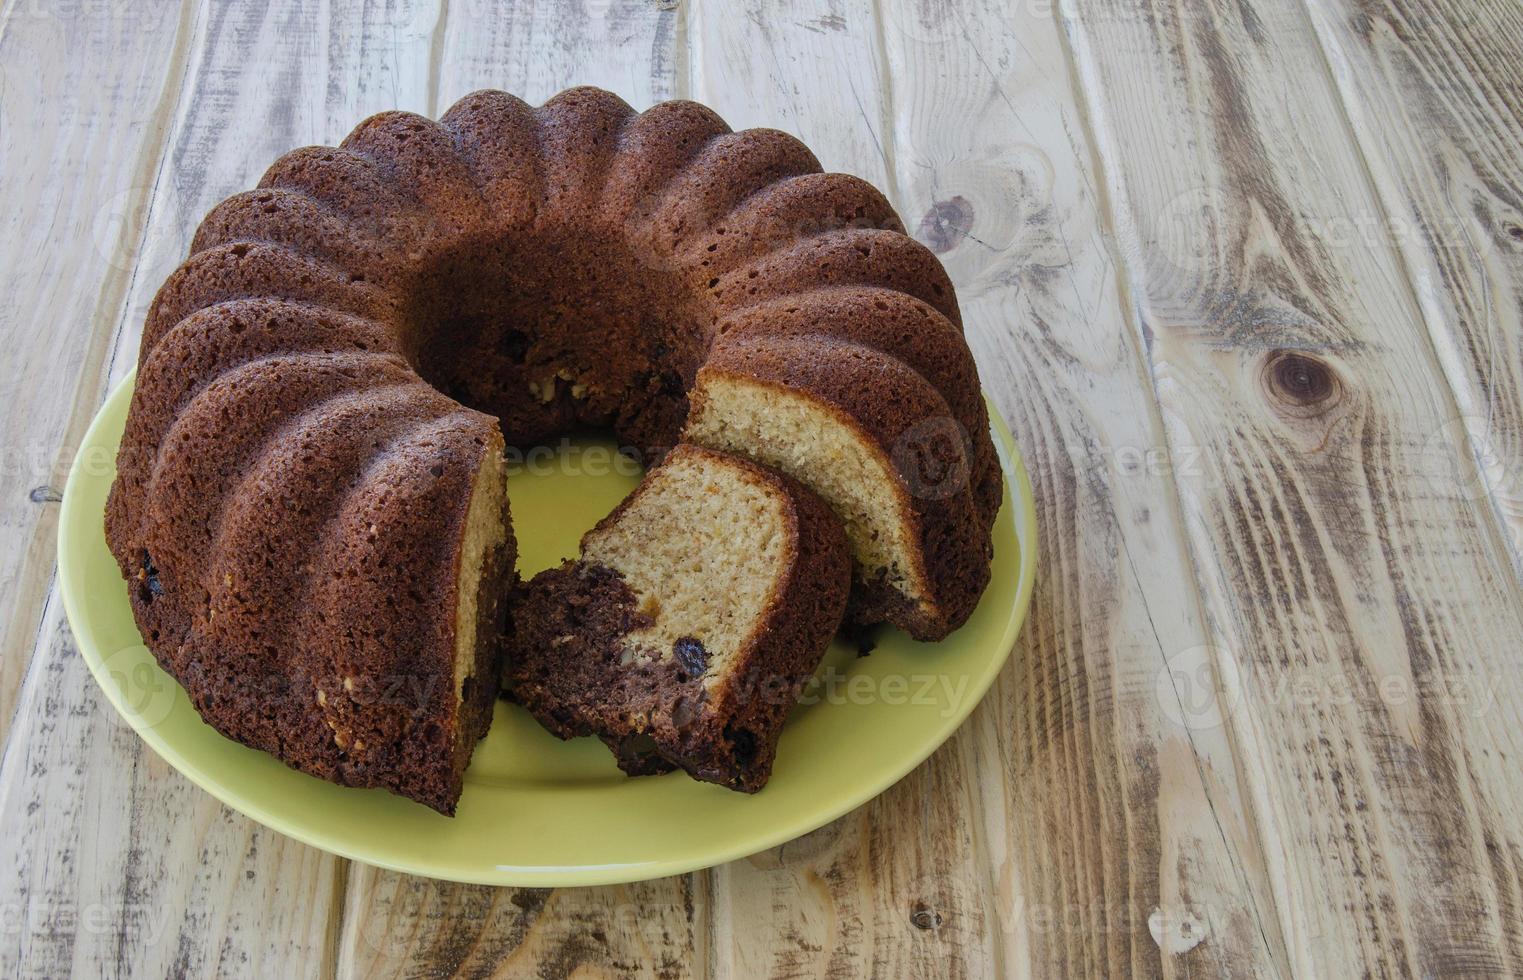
<point>689,625</point>
<point>308,504</point>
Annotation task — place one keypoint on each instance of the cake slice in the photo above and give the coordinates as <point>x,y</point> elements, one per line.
<point>686,630</point>
<point>880,445</point>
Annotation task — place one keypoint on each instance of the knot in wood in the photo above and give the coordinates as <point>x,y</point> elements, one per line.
<point>922,916</point>
<point>1302,381</point>
<point>946,224</point>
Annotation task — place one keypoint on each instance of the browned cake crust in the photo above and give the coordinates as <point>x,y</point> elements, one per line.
<point>887,403</point>
<point>317,636</point>
<point>905,328</point>
<point>375,312</point>
<point>568,657</point>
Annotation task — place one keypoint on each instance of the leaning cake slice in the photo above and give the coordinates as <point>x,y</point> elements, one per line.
<point>688,627</point>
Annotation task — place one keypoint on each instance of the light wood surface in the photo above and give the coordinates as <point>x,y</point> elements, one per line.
<point>1246,280</point>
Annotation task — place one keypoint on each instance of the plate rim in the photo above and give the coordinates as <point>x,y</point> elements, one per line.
<point>72,520</point>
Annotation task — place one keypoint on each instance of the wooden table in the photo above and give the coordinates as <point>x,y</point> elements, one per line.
<point>1245,277</point>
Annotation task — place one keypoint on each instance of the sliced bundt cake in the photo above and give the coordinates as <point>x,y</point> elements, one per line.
<point>325,383</point>
<point>325,559</point>
<point>687,628</point>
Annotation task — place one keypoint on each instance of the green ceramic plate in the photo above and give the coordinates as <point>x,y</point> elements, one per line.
<point>536,811</point>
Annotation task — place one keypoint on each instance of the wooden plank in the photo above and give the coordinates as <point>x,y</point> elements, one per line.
<point>84,106</point>
<point>1120,840</point>
<point>411,926</point>
<point>175,882</point>
<point>897,888</point>
<point>1357,615</point>
<point>810,70</point>
<point>1434,92</point>
<point>536,48</point>
<point>973,866</point>
<point>395,924</point>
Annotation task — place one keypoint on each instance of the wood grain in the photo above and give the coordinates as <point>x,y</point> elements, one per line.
<point>536,48</point>
<point>768,64</point>
<point>1357,616</point>
<point>84,107</point>
<point>116,865</point>
<point>1434,93</point>
<point>898,888</point>
<point>417,927</point>
<point>1120,839</point>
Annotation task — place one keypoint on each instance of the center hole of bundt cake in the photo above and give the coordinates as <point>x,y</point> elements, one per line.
<point>556,335</point>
